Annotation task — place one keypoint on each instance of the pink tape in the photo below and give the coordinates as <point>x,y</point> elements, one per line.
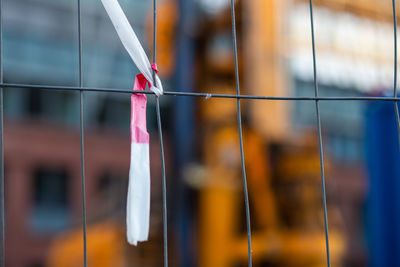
<point>139,132</point>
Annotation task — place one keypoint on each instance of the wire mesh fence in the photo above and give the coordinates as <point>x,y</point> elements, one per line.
<point>238,96</point>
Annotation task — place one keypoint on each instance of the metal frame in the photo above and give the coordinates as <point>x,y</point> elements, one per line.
<point>237,96</point>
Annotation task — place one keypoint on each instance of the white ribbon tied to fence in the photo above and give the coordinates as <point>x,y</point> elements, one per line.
<point>131,43</point>
<point>138,202</point>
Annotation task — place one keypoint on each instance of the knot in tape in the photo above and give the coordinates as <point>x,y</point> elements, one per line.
<point>154,67</point>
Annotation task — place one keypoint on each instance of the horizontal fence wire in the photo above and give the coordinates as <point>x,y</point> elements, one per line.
<point>202,95</point>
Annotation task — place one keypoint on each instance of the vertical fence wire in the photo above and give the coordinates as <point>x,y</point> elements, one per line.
<point>320,145</point>
<point>239,120</point>
<point>396,107</point>
<point>2,196</point>
<point>82,130</point>
<point>160,135</point>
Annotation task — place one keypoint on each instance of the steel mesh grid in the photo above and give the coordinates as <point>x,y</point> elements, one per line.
<point>236,96</point>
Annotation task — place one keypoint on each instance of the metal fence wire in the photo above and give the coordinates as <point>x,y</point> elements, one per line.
<point>238,96</point>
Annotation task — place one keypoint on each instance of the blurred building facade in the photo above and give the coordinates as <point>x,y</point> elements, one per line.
<point>43,198</point>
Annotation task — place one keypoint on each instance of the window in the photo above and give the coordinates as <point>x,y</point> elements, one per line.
<point>50,203</point>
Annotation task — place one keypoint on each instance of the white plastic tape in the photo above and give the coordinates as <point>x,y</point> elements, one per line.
<point>138,203</point>
<point>131,43</point>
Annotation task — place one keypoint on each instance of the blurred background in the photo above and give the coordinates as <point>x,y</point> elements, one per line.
<point>354,45</point>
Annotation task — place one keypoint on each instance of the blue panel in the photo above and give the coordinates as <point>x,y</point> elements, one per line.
<point>383,205</point>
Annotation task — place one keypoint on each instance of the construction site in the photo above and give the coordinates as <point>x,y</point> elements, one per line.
<point>280,147</point>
